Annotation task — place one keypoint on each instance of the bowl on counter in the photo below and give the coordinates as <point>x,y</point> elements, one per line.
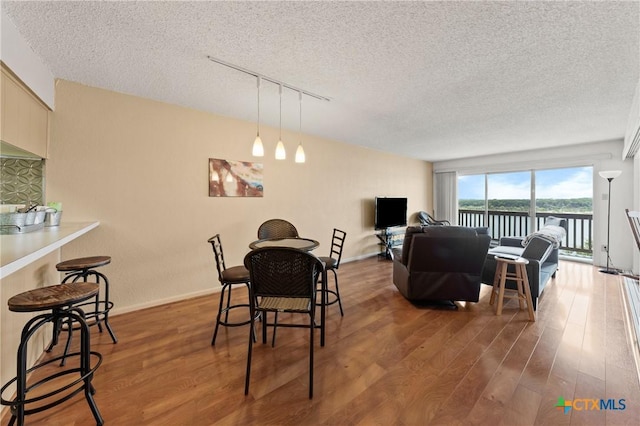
<point>52,217</point>
<point>41,215</point>
<point>14,222</point>
<point>13,219</point>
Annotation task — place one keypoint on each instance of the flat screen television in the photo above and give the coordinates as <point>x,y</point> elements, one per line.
<point>390,212</point>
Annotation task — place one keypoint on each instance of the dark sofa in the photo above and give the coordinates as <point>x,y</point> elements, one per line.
<point>441,263</point>
<point>540,248</point>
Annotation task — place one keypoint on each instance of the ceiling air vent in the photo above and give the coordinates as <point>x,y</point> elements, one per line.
<point>631,146</point>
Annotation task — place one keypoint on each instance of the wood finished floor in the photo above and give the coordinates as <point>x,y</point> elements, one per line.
<point>385,362</point>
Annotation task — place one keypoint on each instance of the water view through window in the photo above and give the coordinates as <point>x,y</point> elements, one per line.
<point>517,203</point>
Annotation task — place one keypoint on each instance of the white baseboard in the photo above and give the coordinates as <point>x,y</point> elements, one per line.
<point>117,311</point>
<point>362,256</point>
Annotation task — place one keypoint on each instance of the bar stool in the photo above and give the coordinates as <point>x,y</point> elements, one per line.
<point>523,292</point>
<point>228,277</point>
<point>97,311</point>
<point>332,263</point>
<point>60,299</point>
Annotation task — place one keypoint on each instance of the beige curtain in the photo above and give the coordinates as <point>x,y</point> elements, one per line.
<point>446,196</point>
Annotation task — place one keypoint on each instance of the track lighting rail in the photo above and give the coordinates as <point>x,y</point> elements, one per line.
<point>272,80</point>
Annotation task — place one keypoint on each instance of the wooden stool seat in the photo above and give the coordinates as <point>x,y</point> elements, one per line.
<point>83,263</point>
<point>54,296</point>
<point>97,311</point>
<point>60,301</point>
<point>523,291</point>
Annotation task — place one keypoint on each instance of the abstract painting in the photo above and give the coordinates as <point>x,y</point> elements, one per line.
<point>229,178</point>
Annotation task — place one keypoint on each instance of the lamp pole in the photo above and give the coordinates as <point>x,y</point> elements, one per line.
<point>609,175</point>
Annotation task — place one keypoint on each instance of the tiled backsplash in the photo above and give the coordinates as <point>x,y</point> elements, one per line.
<point>22,181</point>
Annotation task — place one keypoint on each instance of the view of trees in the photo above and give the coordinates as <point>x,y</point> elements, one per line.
<point>552,205</point>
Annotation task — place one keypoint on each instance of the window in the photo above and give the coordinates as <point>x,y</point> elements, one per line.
<point>517,203</point>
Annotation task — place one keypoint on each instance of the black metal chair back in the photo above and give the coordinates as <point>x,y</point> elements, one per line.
<point>283,280</point>
<point>634,223</point>
<point>277,228</point>
<point>337,243</point>
<point>228,277</point>
<point>218,254</point>
<point>332,263</point>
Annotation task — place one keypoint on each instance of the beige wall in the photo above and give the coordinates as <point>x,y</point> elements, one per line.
<point>140,167</point>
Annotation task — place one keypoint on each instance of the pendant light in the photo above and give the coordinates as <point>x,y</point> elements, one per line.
<point>258,148</point>
<point>300,157</point>
<point>281,154</point>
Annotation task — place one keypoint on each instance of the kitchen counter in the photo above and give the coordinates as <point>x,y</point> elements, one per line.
<point>20,250</point>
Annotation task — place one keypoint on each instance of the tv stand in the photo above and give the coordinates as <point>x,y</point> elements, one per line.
<point>389,238</point>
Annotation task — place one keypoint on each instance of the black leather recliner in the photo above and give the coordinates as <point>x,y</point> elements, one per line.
<point>441,263</point>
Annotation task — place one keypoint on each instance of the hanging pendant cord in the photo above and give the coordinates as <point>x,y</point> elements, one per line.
<point>258,131</point>
<point>280,111</point>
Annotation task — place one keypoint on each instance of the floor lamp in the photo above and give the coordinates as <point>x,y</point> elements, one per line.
<point>609,175</point>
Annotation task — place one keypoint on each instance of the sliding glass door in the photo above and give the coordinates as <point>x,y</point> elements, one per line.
<point>518,203</point>
<point>567,193</point>
<point>509,203</point>
<point>472,200</point>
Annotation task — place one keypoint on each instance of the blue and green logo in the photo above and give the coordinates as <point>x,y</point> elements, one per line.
<point>590,404</point>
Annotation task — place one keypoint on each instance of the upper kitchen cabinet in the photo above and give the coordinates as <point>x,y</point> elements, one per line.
<point>24,119</point>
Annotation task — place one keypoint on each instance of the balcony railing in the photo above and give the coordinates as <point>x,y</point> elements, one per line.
<point>579,237</point>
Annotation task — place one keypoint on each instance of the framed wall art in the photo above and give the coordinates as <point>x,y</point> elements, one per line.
<point>230,178</point>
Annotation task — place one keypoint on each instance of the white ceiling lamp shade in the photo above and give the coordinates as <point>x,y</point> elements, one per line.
<point>281,154</point>
<point>258,148</point>
<point>300,157</point>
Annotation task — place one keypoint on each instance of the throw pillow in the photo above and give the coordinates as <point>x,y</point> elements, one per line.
<point>555,234</point>
<point>554,221</point>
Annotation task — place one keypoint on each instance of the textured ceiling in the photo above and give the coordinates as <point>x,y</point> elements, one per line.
<point>429,80</point>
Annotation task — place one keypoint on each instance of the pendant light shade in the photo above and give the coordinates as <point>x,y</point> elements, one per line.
<point>281,154</point>
<point>258,148</point>
<point>300,157</point>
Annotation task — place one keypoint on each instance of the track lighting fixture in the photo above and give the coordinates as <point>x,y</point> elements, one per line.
<point>258,147</point>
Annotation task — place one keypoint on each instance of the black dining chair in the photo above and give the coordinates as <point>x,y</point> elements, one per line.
<point>228,277</point>
<point>332,263</point>
<point>277,228</point>
<point>282,280</point>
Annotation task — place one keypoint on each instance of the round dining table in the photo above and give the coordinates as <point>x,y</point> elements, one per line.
<point>305,244</point>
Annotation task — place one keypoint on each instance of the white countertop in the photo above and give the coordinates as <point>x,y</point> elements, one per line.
<point>19,250</point>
